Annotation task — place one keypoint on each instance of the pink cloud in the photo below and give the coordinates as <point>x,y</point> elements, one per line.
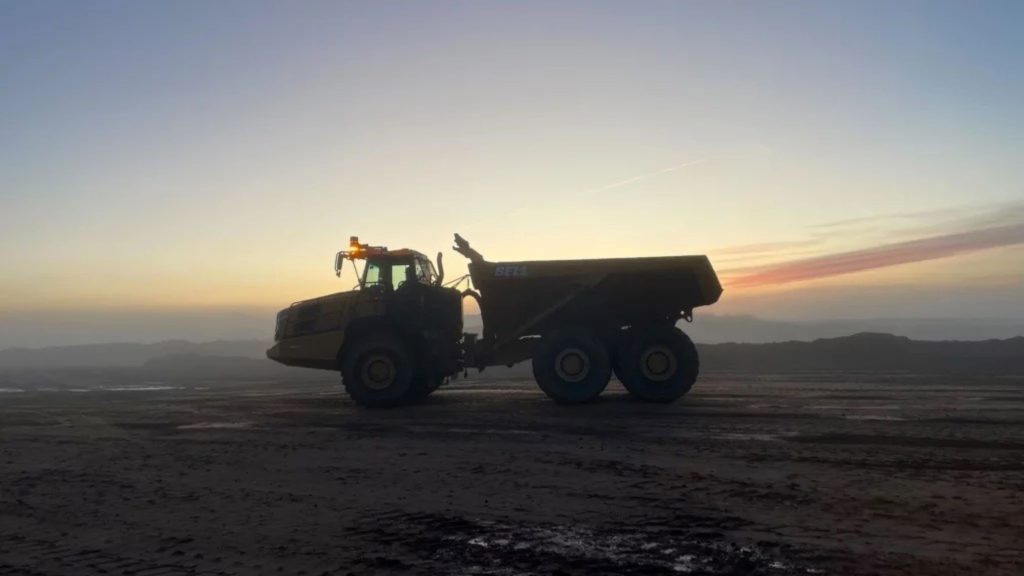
<point>942,246</point>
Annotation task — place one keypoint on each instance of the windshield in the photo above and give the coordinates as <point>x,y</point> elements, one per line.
<point>390,274</point>
<point>423,271</point>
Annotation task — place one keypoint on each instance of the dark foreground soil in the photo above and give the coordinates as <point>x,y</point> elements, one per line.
<point>773,476</point>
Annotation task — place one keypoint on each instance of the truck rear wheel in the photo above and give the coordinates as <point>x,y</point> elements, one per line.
<point>657,364</point>
<point>572,366</point>
<point>377,371</point>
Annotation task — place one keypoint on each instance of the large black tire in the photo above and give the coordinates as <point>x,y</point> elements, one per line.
<point>572,366</point>
<point>657,364</point>
<point>424,386</point>
<point>378,371</point>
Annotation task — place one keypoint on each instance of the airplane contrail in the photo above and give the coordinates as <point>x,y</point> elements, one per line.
<point>620,183</point>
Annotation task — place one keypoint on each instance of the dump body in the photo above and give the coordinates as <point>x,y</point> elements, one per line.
<point>535,297</point>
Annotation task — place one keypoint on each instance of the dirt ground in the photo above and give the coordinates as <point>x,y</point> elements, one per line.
<point>777,475</point>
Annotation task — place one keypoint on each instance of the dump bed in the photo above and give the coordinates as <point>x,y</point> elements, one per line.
<point>532,297</point>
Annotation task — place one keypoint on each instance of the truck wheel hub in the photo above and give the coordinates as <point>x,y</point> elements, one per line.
<point>572,365</point>
<point>378,372</point>
<point>658,363</point>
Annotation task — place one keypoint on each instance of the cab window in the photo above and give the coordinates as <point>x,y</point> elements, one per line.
<point>390,274</point>
<point>422,271</point>
<point>374,274</point>
<point>399,274</point>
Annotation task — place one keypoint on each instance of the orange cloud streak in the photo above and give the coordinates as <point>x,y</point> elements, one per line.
<point>931,248</point>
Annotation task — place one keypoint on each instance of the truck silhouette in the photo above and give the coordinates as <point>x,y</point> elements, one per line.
<point>399,335</point>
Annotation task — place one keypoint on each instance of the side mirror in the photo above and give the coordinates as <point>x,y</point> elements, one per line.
<point>440,270</point>
<point>337,264</point>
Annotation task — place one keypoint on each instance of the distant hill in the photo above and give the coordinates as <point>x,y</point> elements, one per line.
<point>714,329</point>
<point>870,352</point>
<point>125,354</point>
<point>33,329</point>
<point>196,365</point>
<point>864,352</point>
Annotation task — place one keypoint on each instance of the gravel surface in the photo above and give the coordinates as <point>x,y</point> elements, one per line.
<point>823,474</point>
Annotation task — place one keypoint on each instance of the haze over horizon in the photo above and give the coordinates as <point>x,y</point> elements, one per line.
<point>166,167</point>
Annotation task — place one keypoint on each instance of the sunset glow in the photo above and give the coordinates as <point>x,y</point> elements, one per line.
<point>155,158</point>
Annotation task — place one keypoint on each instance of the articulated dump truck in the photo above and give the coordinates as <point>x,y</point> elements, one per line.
<point>399,334</point>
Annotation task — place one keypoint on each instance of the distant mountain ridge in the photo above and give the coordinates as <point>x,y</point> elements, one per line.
<point>714,329</point>
<point>870,352</point>
<point>708,328</point>
<point>867,352</point>
<point>125,354</point>
<point>34,331</point>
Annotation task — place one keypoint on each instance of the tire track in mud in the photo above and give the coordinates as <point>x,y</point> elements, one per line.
<point>442,544</point>
<point>23,555</point>
<point>175,556</point>
<point>905,441</point>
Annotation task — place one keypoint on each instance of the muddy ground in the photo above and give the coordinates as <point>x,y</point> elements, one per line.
<point>777,475</point>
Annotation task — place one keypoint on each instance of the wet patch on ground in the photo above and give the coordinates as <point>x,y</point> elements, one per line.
<point>907,441</point>
<point>452,545</point>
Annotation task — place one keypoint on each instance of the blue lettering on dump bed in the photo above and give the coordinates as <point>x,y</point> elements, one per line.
<point>510,271</point>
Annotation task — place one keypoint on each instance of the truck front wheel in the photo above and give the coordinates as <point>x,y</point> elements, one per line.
<point>377,371</point>
<point>571,366</point>
<point>657,364</point>
<point>423,386</point>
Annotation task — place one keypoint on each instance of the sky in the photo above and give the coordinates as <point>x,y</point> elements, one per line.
<point>184,164</point>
